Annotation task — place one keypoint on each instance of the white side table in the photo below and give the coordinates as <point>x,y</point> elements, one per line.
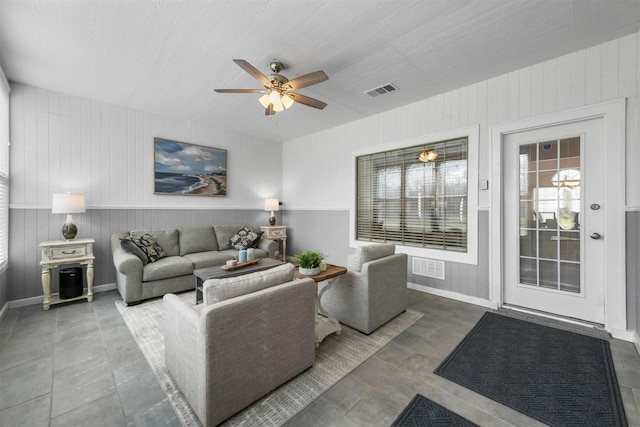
<point>61,252</point>
<point>278,233</point>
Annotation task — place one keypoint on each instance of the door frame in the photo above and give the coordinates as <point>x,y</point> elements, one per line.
<point>613,115</point>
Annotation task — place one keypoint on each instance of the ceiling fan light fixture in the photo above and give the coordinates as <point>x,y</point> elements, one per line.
<point>287,101</point>
<point>277,106</point>
<point>427,156</point>
<point>264,100</point>
<point>274,96</point>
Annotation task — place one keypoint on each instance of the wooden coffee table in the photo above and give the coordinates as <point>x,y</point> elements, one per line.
<point>217,272</point>
<point>326,324</point>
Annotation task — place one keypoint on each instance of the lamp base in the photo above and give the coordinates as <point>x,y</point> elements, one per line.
<point>272,220</point>
<point>69,231</point>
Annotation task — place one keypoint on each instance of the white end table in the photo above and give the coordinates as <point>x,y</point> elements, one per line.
<point>278,233</point>
<point>61,252</point>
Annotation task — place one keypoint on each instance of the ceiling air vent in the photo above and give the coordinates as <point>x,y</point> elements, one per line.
<point>428,267</point>
<point>381,90</point>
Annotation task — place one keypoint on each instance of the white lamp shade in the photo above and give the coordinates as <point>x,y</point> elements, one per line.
<point>68,203</point>
<point>271,205</point>
<point>264,100</point>
<point>287,101</point>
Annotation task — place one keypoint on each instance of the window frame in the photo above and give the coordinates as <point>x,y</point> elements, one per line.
<point>5,178</point>
<point>471,133</point>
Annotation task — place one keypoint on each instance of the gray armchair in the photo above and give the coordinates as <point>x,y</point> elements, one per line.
<point>251,334</point>
<point>372,292</point>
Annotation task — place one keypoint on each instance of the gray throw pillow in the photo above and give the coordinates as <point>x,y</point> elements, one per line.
<point>243,239</point>
<point>147,245</point>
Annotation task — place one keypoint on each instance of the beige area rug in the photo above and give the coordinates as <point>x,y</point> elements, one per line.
<point>335,358</point>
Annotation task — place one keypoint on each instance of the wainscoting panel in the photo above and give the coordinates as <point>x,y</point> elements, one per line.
<point>633,270</point>
<point>327,231</point>
<point>29,227</point>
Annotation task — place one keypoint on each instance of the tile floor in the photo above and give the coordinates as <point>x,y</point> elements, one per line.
<point>77,365</point>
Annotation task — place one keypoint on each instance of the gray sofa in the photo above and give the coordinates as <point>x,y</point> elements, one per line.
<point>251,334</point>
<point>373,291</point>
<point>187,249</point>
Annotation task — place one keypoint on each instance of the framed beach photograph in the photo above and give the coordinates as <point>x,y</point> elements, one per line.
<point>181,168</point>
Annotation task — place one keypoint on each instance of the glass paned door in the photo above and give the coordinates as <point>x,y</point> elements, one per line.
<point>553,178</point>
<point>550,214</point>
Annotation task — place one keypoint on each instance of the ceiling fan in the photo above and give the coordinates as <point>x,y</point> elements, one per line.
<point>277,92</point>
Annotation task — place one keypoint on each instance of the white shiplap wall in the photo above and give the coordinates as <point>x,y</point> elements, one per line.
<point>601,73</point>
<point>65,143</point>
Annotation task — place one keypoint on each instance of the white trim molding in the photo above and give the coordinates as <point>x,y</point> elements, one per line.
<point>453,295</point>
<point>613,114</point>
<point>472,133</point>
<point>38,300</point>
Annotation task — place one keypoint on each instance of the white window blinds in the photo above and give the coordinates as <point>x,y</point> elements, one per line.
<point>412,202</point>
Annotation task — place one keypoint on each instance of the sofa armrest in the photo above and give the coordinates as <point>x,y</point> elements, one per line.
<point>127,264</point>
<point>271,246</point>
<point>185,354</point>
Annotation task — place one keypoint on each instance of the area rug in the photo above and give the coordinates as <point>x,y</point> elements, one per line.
<point>555,376</point>
<point>423,412</point>
<point>336,356</point>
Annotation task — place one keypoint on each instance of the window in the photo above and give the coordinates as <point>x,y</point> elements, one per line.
<point>421,195</point>
<point>4,171</point>
<point>405,200</point>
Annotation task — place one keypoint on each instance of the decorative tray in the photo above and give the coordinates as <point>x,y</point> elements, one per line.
<point>241,264</point>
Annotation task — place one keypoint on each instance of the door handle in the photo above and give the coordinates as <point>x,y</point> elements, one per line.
<point>596,236</point>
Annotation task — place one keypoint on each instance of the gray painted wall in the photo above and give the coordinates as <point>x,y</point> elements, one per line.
<point>633,270</point>
<point>29,227</point>
<point>328,232</point>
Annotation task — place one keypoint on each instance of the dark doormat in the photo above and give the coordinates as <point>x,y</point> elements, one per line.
<point>427,413</point>
<point>557,377</point>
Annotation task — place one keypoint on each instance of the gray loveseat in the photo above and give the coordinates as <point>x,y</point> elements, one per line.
<point>251,334</point>
<point>187,249</point>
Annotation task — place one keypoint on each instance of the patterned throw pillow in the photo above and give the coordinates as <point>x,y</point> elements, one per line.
<point>244,238</point>
<point>144,247</point>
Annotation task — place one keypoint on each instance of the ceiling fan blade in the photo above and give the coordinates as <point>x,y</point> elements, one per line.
<point>253,72</point>
<point>311,102</point>
<point>240,90</point>
<point>269,111</point>
<point>307,80</point>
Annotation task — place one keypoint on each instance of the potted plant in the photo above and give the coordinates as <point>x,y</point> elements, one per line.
<point>309,262</point>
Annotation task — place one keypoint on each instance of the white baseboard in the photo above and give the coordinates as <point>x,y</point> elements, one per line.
<point>4,310</point>
<point>38,300</point>
<point>453,295</point>
<point>636,341</point>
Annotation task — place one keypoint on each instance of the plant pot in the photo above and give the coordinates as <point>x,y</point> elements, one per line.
<point>309,271</point>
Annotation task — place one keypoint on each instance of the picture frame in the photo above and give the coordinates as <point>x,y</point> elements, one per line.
<point>185,169</point>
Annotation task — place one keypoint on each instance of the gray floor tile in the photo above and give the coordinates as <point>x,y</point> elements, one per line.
<point>139,393</point>
<point>25,382</point>
<point>81,360</point>
<point>376,409</point>
<point>103,412</point>
<point>34,413</point>
<point>81,383</point>
<point>159,415</point>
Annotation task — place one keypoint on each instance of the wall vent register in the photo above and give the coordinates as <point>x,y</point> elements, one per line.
<point>428,268</point>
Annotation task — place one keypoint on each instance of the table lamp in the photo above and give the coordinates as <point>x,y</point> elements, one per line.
<point>68,204</point>
<point>271,205</point>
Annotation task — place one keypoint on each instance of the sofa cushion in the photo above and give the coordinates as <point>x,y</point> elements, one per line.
<point>244,238</point>
<point>216,290</point>
<point>369,253</point>
<point>209,259</point>
<point>197,239</point>
<point>165,268</point>
<point>224,233</point>
<point>144,247</point>
<point>167,238</point>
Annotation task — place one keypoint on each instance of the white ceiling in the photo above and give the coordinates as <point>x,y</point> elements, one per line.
<point>167,56</point>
